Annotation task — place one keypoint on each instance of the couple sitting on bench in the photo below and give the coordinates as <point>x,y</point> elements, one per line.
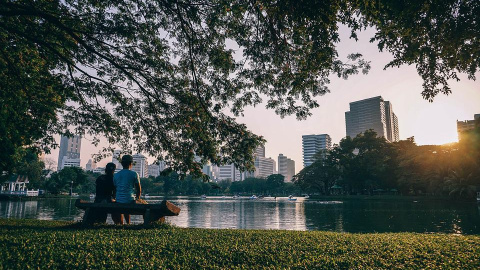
<point>121,187</point>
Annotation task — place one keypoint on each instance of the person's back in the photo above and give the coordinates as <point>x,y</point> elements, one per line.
<point>124,182</point>
<point>104,188</point>
<point>127,185</point>
<point>104,184</point>
<point>104,193</point>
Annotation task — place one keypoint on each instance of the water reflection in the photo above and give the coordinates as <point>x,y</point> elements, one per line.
<point>240,214</point>
<point>51,209</point>
<point>269,213</point>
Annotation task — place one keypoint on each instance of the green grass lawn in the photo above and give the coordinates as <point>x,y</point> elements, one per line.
<point>32,244</point>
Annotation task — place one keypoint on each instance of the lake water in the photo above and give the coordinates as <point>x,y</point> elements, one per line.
<point>280,213</point>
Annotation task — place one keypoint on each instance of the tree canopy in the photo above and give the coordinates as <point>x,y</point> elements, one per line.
<point>163,77</point>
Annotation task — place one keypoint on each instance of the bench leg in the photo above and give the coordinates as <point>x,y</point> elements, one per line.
<point>150,218</point>
<point>147,217</point>
<point>88,217</point>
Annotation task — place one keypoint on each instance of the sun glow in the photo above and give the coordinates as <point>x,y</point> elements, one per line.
<point>435,124</point>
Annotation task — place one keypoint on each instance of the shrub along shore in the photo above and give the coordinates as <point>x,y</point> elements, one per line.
<point>34,244</point>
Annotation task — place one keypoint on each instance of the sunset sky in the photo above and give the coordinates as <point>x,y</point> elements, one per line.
<point>429,123</point>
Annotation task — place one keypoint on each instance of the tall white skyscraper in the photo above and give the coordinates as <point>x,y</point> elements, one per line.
<point>69,154</point>
<point>372,113</point>
<point>312,144</point>
<point>140,165</point>
<point>286,167</point>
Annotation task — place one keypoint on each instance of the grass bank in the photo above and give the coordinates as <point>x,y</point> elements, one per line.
<point>32,244</point>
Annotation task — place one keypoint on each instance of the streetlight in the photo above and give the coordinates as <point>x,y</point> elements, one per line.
<point>71,188</point>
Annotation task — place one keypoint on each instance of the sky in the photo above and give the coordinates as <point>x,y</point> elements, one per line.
<point>429,123</point>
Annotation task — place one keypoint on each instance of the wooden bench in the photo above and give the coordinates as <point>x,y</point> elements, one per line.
<point>150,212</point>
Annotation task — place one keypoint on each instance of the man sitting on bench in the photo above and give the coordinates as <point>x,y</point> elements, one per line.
<point>127,185</point>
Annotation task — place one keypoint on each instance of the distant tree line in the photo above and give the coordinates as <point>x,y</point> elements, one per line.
<point>368,164</point>
<point>83,182</point>
<point>172,185</point>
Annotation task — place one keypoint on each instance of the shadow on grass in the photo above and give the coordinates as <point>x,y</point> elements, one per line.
<point>39,225</point>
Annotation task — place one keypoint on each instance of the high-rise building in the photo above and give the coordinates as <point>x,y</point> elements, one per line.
<point>69,154</point>
<point>116,158</point>
<point>140,165</point>
<point>467,125</point>
<point>264,167</point>
<point>153,170</point>
<point>312,144</point>
<point>230,172</point>
<point>210,170</point>
<point>372,113</point>
<point>286,167</point>
<point>260,151</point>
<point>156,168</point>
<point>91,165</point>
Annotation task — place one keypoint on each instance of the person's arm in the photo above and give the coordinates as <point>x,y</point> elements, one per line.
<point>114,190</point>
<point>138,188</point>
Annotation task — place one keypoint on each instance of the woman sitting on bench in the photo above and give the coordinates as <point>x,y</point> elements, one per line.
<point>104,192</point>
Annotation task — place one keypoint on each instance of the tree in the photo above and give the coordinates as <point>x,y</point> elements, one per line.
<point>275,182</point>
<point>31,166</point>
<point>321,175</point>
<point>459,185</point>
<point>62,180</point>
<point>374,161</point>
<point>160,74</point>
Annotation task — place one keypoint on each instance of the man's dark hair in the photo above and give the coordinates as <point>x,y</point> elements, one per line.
<point>127,160</point>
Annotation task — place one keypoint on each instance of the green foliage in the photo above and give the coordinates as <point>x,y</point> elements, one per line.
<point>366,164</point>
<point>172,185</point>
<point>275,183</point>
<point>32,244</point>
<point>160,73</point>
<point>30,165</point>
<point>62,180</point>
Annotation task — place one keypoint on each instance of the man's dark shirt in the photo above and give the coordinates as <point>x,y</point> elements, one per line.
<point>104,190</point>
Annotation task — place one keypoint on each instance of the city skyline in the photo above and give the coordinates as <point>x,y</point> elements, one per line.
<point>429,123</point>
